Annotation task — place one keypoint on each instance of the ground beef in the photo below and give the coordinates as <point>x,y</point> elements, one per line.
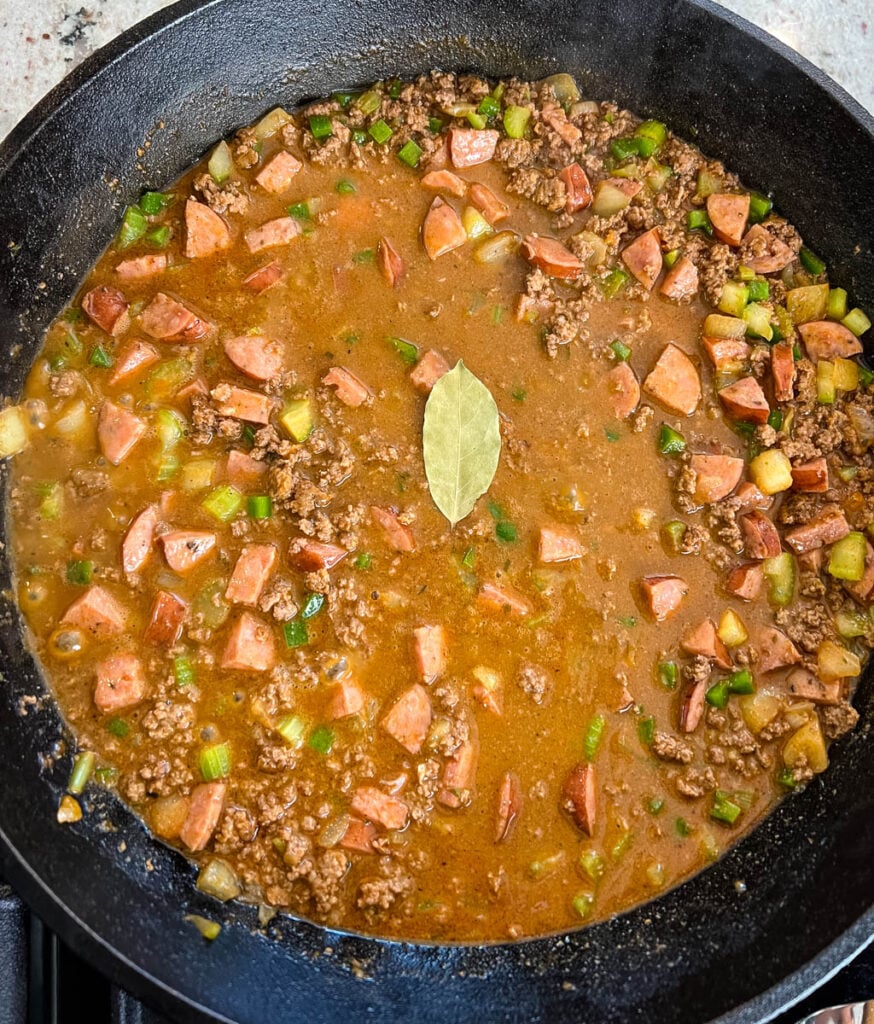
<point>64,384</point>
<point>380,893</point>
<point>697,670</point>
<point>534,681</point>
<point>245,148</point>
<point>206,423</point>
<point>721,517</point>
<point>806,626</point>
<point>718,264</point>
<point>670,748</point>
<point>540,186</point>
<point>278,599</point>
<point>838,720</point>
<point>88,482</point>
<point>695,782</point>
<point>228,198</point>
<point>693,540</point>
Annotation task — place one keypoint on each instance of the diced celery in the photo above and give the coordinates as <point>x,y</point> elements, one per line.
<point>209,605</point>
<point>758,290</point>
<point>825,382</point>
<point>293,730</point>
<point>760,207</point>
<point>847,557</point>
<point>516,121</point>
<point>592,864</point>
<point>856,321</point>
<point>837,303</point>
<point>734,298</point>
<point>170,428</point>
<point>297,419</point>
<point>780,578</point>
<point>758,321</point>
<point>221,163</point>
<point>165,379</point>
<point>850,622</point>
<point>133,227</point>
<point>672,535</point>
<point>223,503</point>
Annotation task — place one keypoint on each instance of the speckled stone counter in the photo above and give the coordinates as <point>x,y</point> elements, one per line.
<point>42,40</point>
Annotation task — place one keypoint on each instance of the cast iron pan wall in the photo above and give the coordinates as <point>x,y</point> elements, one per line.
<point>65,173</point>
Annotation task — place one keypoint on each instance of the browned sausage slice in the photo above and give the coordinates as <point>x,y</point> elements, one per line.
<point>120,683</point>
<point>242,404</point>
<point>806,686</point>
<point>442,230</point>
<point>431,652</point>
<point>264,277</point>
<point>663,595</point>
<point>502,599</point>
<point>825,339</point>
<point>399,535</point>
<point>137,544</point>
<point>681,281</point>
<point>580,796</point>
<point>429,369</point>
<point>745,400</point>
<point>745,581</point>
<point>118,430</point>
<point>490,206</point>
<point>312,555</point>
<point>509,806</point>
<point>184,549</point>
<point>391,266</point>
<point>703,639</point>
<point>141,267</point>
<point>281,231</point>
<point>825,528</point>
<point>551,256</point>
<point>374,805</point>
<point>774,254</point>
<point>728,214</point>
<point>347,699</point>
<point>205,232</point>
<point>251,572</point>
<point>136,356</point>
<point>409,718</point>
<point>97,612</point>
<point>692,708</point>
<point>205,809</point>
<point>458,775</point>
<point>727,354</point>
<point>623,391</point>
<point>108,308</point>
<point>168,320</point>
<point>643,257</point>
<point>775,650</point>
<point>761,539</point>
<point>351,390</point>
<point>165,622</point>
<point>445,180</point>
<point>811,477</point>
<point>578,188</point>
<point>783,371</point>
<point>716,476</point>
<point>277,175</point>
<point>674,381</point>
<point>255,356</point>
<point>250,646</point>
<point>558,544</point>
<point>470,147</point>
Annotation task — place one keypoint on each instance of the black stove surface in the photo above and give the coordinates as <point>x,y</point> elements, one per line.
<point>42,981</point>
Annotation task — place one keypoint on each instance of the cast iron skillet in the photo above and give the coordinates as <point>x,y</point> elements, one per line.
<point>742,940</point>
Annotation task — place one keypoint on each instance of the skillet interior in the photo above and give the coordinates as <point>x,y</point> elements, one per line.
<point>698,951</point>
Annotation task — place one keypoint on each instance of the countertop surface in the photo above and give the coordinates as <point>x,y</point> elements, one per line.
<point>42,41</point>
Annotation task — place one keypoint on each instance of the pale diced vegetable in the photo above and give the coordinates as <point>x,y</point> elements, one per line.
<point>14,434</point>
<point>771,472</point>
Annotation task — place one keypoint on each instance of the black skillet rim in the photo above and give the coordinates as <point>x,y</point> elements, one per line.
<point>75,930</point>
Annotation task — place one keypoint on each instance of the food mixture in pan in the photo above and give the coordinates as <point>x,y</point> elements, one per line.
<point>446,512</point>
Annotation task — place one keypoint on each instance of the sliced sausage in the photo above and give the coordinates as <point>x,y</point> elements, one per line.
<point>692,708</point>
<point>184,549</point>
<point>502,599</point>
<point>118,430</point>
<point>774,254</point>
<point>681,281</point>
<point>409,718</point>
<point>663,595</point>
<point>97,612</point>
<point>728,214</point>
<point>490,206</point>
<point>745,581</point>
<point>429,369</point>
<point>716,476</point>
<point>459,773</point>
<point>120,683</point>
<point>264,277</point>
<point>141,267</point>
<point>313,556</point>
<point>374,805</point>
<point>431,652</point>
<point>351,390</point>
<point>761,539</point>
<point>243,471</point>
<point>250,646</point>
<point>281,231</point>
<point>558,121</point>
<point>256,356</point>
<point>703,639</point>
<point>674,381</point>
<point>726,354</point>
<point>577,188</point>
<point>825,339</point>
<point>134,358</point>
<point>108,308</point>
<point>400,537</point>
<point>277,175</point>
<point>580,796</point>
<point>468,147</point>
<point>442,230</point>
<point>391,265</point>
<point>551,256</point>
<point>783,371</point>
<point>558,544</point>
<point>806,686</point>
<point>251,573</point>
<point>825,528</point>
<point>623,391</point>
<point>358,837</point>
<point>447,181</point>
<point>204,811</point>
<point>643,257</point>
<point>205,232</point>
<point>745,400</point>
<point>166,620</point>
<point>347,699</point>
<point>750,497</point>
<point>165,319</point>
<point>509,806</point>
<point>811,477</point>
<point>242,404</point>
<point>137,544</point>
<point>775,650</point>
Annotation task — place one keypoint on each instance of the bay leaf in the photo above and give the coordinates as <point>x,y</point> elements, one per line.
<point>461,439</point>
